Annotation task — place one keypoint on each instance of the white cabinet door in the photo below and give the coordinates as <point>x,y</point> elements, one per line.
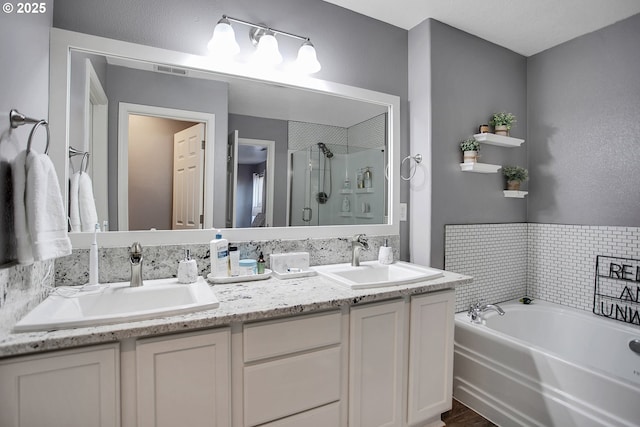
<point>376,364</point>
<point>78,387</point>
<point>184,380</point>
<point>430,357</point>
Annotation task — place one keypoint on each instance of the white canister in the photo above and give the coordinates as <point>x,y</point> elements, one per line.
<point>385,256</point>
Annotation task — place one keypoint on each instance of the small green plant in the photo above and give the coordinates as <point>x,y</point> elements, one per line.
<point>515,173</point>
<point>470,144</point>
<point>503,119</point>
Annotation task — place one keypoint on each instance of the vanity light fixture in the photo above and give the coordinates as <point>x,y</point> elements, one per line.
<point>223,43</point>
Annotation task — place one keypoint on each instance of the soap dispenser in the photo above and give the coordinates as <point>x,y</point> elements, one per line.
<point>187,269</point>
<point>346,206</point>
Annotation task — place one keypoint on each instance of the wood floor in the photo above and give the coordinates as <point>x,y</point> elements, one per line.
<point>461,416</point>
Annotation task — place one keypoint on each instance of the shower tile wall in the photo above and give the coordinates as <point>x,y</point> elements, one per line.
<point>562,259</point>
<point>494,254</point>
<point>555,262</point>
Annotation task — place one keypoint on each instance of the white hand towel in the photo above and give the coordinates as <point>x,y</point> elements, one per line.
<point>46,217</point>
<point>24,251</point>
<point>74,206</point>
<point>86,203</point>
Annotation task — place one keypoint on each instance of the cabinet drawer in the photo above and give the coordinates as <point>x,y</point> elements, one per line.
<point>291,385</point>
<point>280,337</point>
<point>328,415</point>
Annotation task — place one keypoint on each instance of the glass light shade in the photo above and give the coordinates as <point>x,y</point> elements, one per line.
<point>267,52</point>
<point>223,41</point>
<point>307,61</point>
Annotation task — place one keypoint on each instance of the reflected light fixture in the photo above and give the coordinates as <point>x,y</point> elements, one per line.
<point>224,43</point>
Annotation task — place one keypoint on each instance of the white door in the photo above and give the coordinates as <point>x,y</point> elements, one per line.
<point>188,154</point>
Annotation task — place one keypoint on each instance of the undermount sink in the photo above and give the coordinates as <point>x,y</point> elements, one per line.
<point>372,274</point>
<point>117,302</point>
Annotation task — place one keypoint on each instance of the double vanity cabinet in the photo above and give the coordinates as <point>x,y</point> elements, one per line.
<point>380,363</point>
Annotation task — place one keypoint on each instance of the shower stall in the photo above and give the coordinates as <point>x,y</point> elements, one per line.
<point>331,184</point>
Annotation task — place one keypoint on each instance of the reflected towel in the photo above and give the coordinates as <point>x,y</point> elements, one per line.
<point>74,206</point>
<point>86,203</point>
<point>46,218</point>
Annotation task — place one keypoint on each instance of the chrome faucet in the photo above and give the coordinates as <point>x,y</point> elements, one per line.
<point>135,258</point>
<point>476,310</point>
<point>358,242</point>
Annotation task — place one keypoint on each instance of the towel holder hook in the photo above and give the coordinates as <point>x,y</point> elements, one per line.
<point>16,119</point>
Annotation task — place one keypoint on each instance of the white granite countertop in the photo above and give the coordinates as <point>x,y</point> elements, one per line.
<point>241,302</point>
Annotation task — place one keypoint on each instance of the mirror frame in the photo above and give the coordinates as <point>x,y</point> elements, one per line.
<point>63,41</point>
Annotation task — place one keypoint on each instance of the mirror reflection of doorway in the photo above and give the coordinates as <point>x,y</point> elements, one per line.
<point>162,182</point>
<point>251,177</point>
<point>145,190</point>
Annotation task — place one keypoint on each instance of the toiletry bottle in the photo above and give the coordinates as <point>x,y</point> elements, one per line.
<point>93,259</point>
<point>219,252</point>
<point>187,269</point>
<point>360,179</point>
<point>385,256</point>
<point>345,204</point>
<point>261,264</point>
<point>367,177</point>
<point>234,261</point>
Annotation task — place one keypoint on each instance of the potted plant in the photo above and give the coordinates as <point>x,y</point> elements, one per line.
<point>515,175</point>
<point>470,148</point>
<point>502,123</point>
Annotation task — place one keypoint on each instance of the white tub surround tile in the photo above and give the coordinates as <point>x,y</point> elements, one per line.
<point>551,262</point>
<point>494,254</point>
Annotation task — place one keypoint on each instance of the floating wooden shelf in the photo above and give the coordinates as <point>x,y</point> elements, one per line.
<point>499,140</point>
<point>479,167</point>
<point>346,191</point>
<point>515,194</point>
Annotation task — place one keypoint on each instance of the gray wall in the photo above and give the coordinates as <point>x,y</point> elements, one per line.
<point>272,130</point>
<point>584,129</point>
<point>163,90</point>
<point>470,80</point>
<point>24,85</point>
<point>353,49</point>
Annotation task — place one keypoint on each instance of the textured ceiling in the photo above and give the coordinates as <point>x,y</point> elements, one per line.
<point>524,26</point>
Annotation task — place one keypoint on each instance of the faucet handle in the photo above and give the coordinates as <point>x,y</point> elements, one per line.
<point>135,253</point>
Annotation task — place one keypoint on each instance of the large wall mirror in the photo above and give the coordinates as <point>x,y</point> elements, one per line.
<point>178,144</point>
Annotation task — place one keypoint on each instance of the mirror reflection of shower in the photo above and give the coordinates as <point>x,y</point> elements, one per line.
<point>324,192</point>
<point>327,185</point>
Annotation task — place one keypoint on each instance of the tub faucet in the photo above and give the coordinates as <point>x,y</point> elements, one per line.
<point>135,258</point>
<point>358,242</point>
<point>476,310</point>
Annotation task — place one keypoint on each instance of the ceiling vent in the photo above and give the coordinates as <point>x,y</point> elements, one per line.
<point>171,70</point>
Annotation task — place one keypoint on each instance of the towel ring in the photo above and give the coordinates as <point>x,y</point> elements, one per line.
<point>33,130</point>
<point>418,159</point>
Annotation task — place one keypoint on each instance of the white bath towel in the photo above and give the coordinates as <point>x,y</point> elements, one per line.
<point>86,203</point>
<point>24,251</point>
<point>74,206</point>
<point>46,217</point>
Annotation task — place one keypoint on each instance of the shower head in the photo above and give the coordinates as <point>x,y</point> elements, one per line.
<point>325,150</point>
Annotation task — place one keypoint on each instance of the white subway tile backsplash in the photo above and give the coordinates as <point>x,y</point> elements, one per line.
<point>552,262</point>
